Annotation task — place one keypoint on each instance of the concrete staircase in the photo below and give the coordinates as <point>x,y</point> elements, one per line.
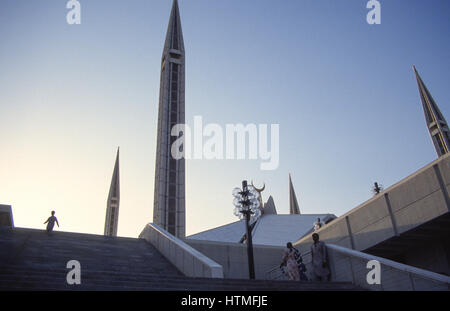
<point>32,260</point>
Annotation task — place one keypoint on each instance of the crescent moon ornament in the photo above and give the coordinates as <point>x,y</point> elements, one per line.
<point>259,190</point>
<point>261,204</point>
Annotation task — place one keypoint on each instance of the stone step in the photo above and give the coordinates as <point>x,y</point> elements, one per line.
<point>161,278</point>
<point>32,260</point>
<point>130,275</point>
<point>202,285</point>
<point>154,281</point>
<point>192,285</point>
<point>153,287</point>
<point>34,248</point>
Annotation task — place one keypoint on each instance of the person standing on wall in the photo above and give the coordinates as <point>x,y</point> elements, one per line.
<point>318,224</point>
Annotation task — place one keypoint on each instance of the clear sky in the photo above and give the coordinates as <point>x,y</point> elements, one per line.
<point>342,91</point>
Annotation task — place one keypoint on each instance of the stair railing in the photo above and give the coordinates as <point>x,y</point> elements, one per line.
<point>188,260</point>
<point>353,266</point>
<point>349,265</point>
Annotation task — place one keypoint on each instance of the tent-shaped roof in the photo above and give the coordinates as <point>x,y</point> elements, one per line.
<point>274,230</point>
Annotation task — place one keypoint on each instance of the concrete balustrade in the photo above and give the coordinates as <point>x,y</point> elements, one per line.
<point>189,261</point>
<point>6,216</point>
<point>348,265</point>
<point>234,260</point>
<point>351,266</point>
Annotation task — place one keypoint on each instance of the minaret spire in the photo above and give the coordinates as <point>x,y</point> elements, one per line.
<point>293,204</point>
<point>112,205</point>
<point>169,195</point>
<point>437,126</point>
<point>174,35</point>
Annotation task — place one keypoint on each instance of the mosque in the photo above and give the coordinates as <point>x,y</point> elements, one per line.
<point>398,224</point>
<point>405,228</point>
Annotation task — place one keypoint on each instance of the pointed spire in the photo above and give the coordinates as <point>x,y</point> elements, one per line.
<point>112,205</point>
<point>269,207</point>
<point>114,190</point>
<point>293,204</point>
<point>174,36</point>
<point>436,123</point>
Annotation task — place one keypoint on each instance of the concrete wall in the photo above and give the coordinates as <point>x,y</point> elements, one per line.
<point>188,260</point>
<point>6,216</point>
<point>335,232</point>
<point>233,257</point>
<point>411,202</point>
<point>351,266</point>
<point>420,198</point>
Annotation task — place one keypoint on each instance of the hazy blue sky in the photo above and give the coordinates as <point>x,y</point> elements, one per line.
<point>343,92</point>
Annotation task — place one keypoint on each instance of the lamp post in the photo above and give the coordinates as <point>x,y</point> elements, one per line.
<point>247,206</point>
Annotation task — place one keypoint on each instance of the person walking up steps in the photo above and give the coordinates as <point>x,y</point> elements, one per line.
<point>51,222</point>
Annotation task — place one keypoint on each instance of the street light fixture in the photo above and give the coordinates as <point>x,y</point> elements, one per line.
<point>247,207</point>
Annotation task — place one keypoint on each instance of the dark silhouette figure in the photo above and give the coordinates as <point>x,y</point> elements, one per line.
<point>377,188</point>
<point>302,270</point>
<point>51,222</point>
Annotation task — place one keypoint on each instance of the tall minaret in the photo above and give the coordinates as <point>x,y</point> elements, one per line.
<point>437,126</point>
<point>169,197</point>
<point>293,204</point>
<point>112,206</point>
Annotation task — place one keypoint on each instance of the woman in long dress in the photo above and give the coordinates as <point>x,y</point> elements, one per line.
<point>290,262</point>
